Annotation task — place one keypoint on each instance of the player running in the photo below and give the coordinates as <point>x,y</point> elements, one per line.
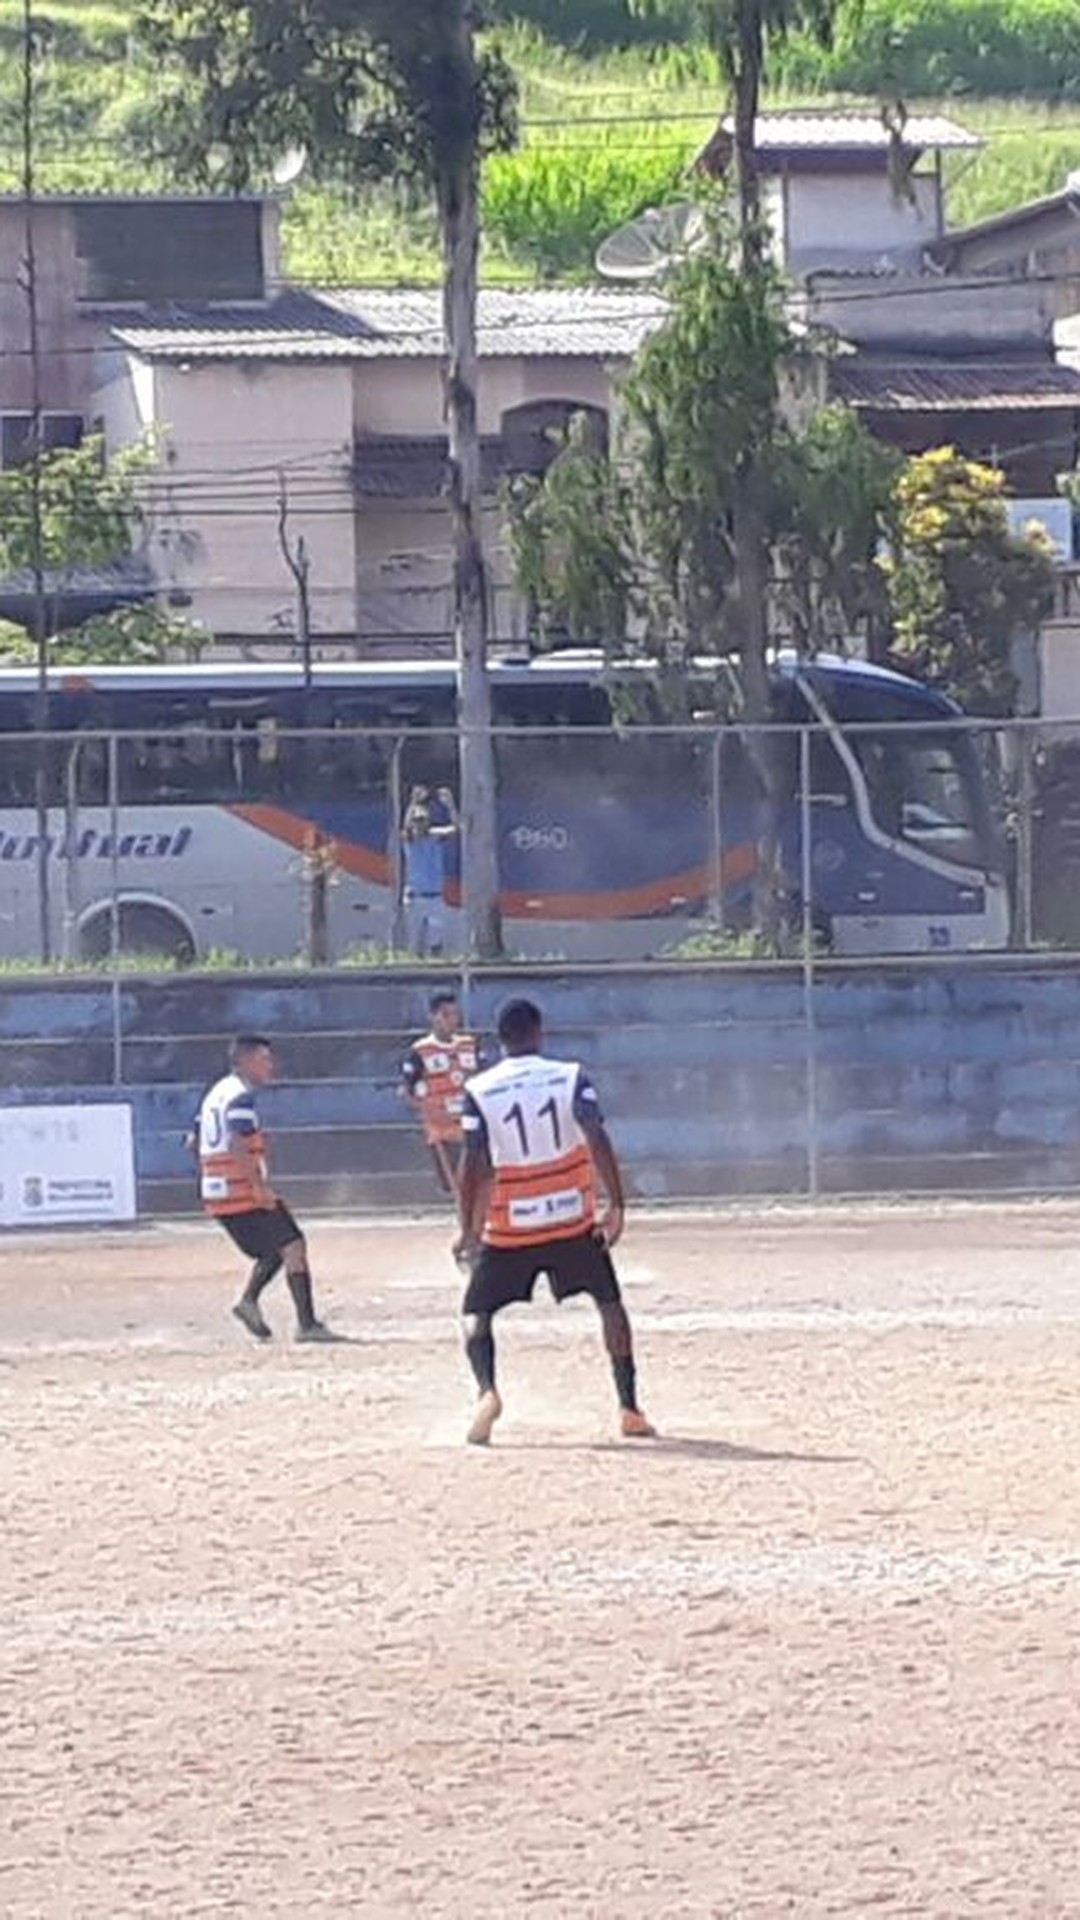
<point>535,1147</point>
<point>235,1190</point>
<point>433,1076</point>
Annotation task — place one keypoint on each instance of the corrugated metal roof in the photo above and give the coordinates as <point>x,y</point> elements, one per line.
<point>822,129</point>
<point>986,387</point>
<point>374,324</point>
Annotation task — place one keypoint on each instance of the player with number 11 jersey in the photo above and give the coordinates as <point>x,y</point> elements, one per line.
<point>537,1154</point>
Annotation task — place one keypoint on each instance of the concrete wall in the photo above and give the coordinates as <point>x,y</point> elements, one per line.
<point>833,220</point>
<point>933,1076</point>
<point>923,312</point>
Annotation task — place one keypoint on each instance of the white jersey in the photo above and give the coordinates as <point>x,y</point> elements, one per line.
<point>228,1111</point>
<point>532,1115</point>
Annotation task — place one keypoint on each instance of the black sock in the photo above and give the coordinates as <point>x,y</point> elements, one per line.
<point>625,1374</point>
<point>300,1288</point>
<point>480,1350</point>
<point>261,1275</point>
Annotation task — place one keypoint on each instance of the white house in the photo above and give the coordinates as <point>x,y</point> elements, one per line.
<point>330,405</point>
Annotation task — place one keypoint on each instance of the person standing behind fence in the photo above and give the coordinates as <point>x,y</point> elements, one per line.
<point>428,826</point>
<point>433,1076</point>
<point>235,1191</point>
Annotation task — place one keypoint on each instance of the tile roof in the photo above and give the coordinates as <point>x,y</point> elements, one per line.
<point>823,129</point>
<point>376,324</point>
<point>943,388</point>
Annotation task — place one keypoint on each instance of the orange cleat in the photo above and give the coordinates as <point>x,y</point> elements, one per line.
<point>488,1409</point>
<point>635,1426</point>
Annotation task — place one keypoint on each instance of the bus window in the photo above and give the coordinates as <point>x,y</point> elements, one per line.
<point>920,790</point>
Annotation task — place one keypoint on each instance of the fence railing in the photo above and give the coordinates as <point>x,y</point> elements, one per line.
<point>249,844</point>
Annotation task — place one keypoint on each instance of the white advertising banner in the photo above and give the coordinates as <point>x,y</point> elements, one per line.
<point>65,1164</point>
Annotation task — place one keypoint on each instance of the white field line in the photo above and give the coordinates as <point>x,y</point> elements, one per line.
<point>540,1327</point>
<point>871,1574</point>
<point>853,1209</point>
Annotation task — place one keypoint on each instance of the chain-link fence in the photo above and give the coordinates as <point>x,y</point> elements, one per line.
<point>806,959</point>
<point>249,844</point>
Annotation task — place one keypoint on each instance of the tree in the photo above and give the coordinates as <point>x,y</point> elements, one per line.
<point>370,89</point>
<point>70,510</point>
<point>740,34</point>
<point>963,586</point>
<point>131,635</point>
<point>644,553</point>
<point>835,504</point>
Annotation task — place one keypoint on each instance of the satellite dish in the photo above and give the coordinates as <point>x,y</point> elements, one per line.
<point>658,240</point>
<point>289,166</point>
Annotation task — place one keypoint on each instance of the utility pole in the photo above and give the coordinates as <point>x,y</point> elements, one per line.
<point>458,195</point>
<point>319,864</point>
<point>299,564</point>
<point>40,618</point>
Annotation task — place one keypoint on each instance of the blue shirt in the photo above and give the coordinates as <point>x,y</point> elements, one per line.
<point>425,865</point>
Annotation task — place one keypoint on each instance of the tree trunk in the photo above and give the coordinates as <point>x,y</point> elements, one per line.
<point>319,871</point>
<point>459,219</point>
<point>750,535</point>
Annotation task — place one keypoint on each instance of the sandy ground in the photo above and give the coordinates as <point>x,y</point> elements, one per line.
<point>273,1642</point>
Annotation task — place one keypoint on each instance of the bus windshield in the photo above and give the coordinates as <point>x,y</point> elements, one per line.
<point>923,787</point>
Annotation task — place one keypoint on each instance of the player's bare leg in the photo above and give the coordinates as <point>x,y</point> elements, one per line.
<point>480,1351</point>
<point>247,1308</point>
<point>619,1341</point>
<point>310,1331</point>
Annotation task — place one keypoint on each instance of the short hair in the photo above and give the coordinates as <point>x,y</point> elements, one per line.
<point>519,1020</point>
<point>443,997</point>
<point>246,1043</point>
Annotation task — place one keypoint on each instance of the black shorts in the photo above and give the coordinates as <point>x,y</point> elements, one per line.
<point>263,1232</point>
<point>504,1275</point>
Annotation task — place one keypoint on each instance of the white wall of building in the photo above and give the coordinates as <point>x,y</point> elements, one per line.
<point>226,431</point>
<point>836,219</point>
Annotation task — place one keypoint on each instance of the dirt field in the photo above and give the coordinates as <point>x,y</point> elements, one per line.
<point>273,1642</point>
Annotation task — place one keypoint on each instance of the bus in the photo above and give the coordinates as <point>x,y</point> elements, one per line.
<point>177,810</point>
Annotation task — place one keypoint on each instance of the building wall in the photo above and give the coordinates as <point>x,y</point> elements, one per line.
<point>67,336</point>
<point>378,568</point>
<point>840,219</point>
<point>1048,248</point>
<point>934,1077</point>
<point>226,431</point>
<point>914,310</point>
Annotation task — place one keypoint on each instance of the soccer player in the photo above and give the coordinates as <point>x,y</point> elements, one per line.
<point>235,1190</point>
<point>433,1076</point>
<point>536,1148</point>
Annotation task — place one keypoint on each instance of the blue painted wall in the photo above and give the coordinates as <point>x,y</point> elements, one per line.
<point>926,1075</point>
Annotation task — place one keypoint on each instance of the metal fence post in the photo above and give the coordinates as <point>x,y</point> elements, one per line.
<point>716,830</point>
<point>1024,848</point>
<point>809,1018</point>
<point>114,911</point>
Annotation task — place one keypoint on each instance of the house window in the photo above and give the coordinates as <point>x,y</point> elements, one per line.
<point>16,432</point>
<point>534,433</point>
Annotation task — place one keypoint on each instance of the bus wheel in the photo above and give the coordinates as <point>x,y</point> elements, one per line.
<point>143,928</point>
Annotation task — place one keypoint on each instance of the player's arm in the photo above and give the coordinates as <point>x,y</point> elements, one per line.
<point>590,1119</point>
<point>446,829</point>
<point>243,1132</point>
<point>411,1085</point>
<point>475,1179</point>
